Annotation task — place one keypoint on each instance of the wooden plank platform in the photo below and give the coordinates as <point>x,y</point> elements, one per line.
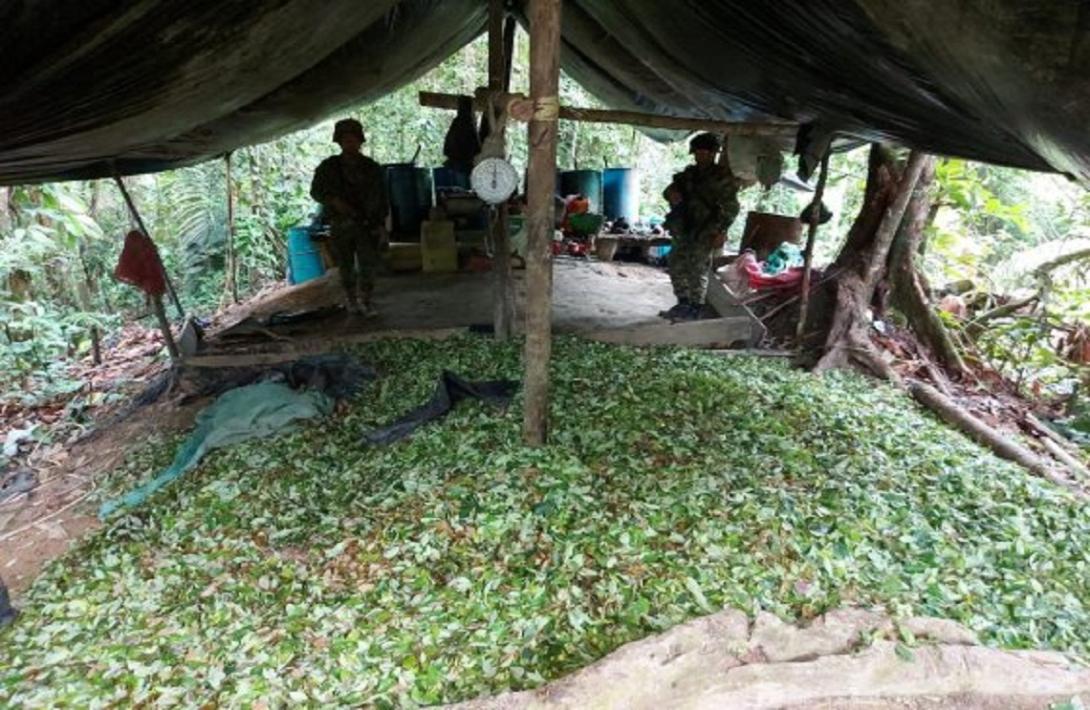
<point>716,333</point>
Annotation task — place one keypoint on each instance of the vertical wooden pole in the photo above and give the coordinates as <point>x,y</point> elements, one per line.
<point>503,294</point>
<point>164,325</point>
<point>496,59</point>
<point>544,18</point>
<point>509,27</point>
<point>140,223</point>
<point>811,236</point>
<point>231,277</point>
<point>96,346</point>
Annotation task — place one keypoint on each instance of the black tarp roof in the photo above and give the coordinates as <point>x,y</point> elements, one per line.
<point>155,84</point>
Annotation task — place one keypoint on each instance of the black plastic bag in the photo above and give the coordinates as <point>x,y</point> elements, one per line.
<point>450,390</point>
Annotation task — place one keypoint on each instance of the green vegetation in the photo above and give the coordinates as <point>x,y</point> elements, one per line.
<point>308,569</point>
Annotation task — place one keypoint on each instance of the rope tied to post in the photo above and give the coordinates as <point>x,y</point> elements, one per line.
<point>546,108</point>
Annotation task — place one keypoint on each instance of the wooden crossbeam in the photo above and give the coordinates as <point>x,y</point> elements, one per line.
<point>520,108</point>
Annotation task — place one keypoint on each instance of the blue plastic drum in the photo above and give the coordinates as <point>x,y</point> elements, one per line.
<point>621,194</point>
<point>304,257</point>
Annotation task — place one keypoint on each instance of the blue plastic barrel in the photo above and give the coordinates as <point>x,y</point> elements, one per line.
<point>621,194</point>
<point>583,182</point>
<point>304,258</point>
<point>411,198</point>
<point>449,177</point>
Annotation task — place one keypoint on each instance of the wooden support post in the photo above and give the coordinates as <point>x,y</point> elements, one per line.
<point>96,346</point>
<point>503,295</point>
<point>544,18</point>
<point>496,59</point>
<point>230,285</point>
<point>431,99</point>
<point>140,223</point>
<point>509,28</point>
<point>815,218</point>
<point>164,326</point>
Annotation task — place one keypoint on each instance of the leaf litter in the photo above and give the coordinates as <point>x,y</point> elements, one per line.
<point>308,569</point>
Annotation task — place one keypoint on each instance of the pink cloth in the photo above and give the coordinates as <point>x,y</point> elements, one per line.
<point>759,280</point>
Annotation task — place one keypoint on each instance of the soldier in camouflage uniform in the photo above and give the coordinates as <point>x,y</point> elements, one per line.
<point>704,202</point>
<point>351,188</point>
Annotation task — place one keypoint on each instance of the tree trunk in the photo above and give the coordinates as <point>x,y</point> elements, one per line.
<point>811,236</point>
<point>910,295</point>
<point>862,263</point>
<point>999,443</point>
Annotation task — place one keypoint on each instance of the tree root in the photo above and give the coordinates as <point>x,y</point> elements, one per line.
<point>951,413</point>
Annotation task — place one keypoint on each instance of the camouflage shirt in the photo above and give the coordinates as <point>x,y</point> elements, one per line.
<point>359,182</point>
<point>709,201</point>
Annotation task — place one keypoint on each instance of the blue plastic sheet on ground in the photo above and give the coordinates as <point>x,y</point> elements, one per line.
<point>241,414</point>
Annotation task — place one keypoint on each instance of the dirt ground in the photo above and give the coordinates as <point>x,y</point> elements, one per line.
<point>587,295</point>
<point>38,527</point>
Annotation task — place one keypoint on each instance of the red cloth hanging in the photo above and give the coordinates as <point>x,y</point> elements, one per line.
<point>140,265</point>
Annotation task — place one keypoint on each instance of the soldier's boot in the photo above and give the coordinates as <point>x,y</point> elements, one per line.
<point>682,306</point>
<point>367,307</point>
<point>691,311</point>
<point>695,312</point>
<point>352,304</point>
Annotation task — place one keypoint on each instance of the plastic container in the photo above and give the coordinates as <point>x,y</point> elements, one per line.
<point>515,223</point>
<point>411,198</point>
<point>621,194</point>
<point>304,256</point>
<point>438,250</point>
<point>403,256</point>
<point>583,182</point>
<point>449,177</point>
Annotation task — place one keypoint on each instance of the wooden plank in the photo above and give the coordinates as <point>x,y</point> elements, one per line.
<point>720,298</point>
<point>316,346</point>
<point>430,99</point>
<point>727,305</point>
<point>544,18</point>
<point>754,352</point>
<point>716,333</point>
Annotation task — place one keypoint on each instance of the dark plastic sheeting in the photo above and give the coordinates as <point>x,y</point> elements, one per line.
<point>157,84</point>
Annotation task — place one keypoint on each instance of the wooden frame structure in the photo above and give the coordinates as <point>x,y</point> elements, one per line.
<point>541,110</point>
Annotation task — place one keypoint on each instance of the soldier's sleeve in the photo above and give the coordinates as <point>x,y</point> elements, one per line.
<point>321,187</point>
<point>728,200</point>
<point>675,184</point>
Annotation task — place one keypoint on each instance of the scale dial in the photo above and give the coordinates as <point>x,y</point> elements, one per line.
<point>494,180</point>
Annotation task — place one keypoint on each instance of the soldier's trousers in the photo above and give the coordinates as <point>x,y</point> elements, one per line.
<point>690,263</point>
<point>356,248</point>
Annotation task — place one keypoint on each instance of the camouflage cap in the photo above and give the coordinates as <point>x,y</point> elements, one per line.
<point>704,141</point>
<point>347,126</point>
